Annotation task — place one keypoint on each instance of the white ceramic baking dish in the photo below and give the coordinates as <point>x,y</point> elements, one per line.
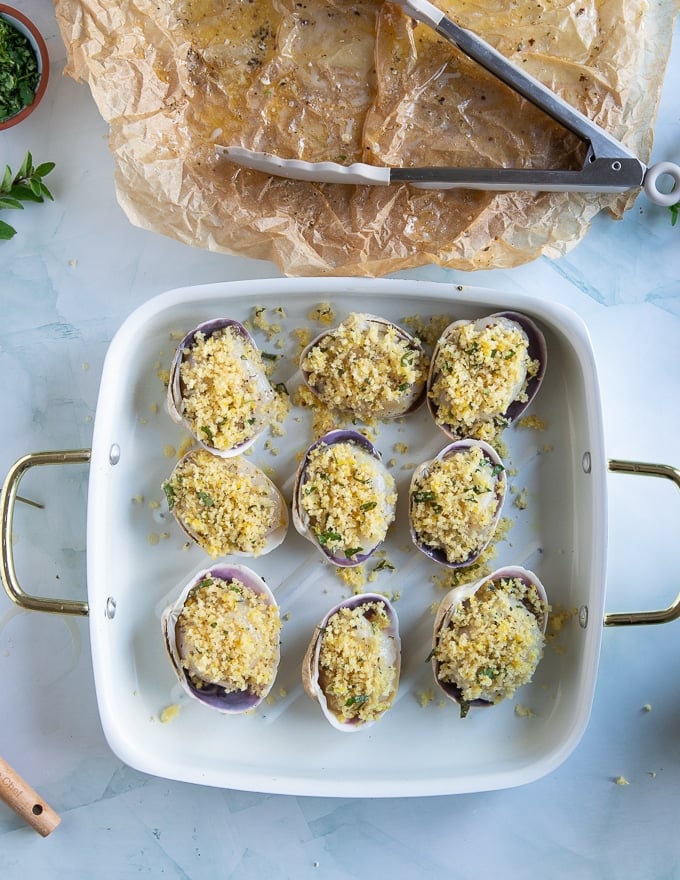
<point>420,747</point>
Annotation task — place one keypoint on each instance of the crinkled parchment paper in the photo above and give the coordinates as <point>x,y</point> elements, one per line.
<point>359,82</point>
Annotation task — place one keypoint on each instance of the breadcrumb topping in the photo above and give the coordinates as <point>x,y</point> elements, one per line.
<point>479,371</point>
<point>358,670</point>
<point>227,504</point>
<point>349,498</point>
<point>367,367</point>
<point>227,634</point>
<point>226,395</point>
<point>493,641</point>
<point>453,503</point>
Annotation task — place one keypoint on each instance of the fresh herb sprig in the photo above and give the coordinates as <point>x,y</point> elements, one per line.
<point>25,186</point>
<point>675,211</point>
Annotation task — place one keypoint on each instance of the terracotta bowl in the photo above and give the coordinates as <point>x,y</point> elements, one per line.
<point>28,29</point>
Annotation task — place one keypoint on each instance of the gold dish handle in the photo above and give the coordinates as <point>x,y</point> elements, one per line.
<point>663,615</point>
<point>8,498</point>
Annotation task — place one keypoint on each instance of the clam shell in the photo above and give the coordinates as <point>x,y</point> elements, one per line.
<point>537,350</point>
<point>253,370</point>
<point>456,597</point>
<point>257,479</point>
<point>213,695</point>
<point>438,553</point>
<point>390,651</point>
<point>301,519</point>
<point>407,399</point>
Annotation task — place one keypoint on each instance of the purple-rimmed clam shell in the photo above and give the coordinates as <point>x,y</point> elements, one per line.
<point>536,349</point>
<point>390,654</point>
<point>301,519</point>
<point>438,554</point>
<point>407,400</point>
<point>214,695</point>
<point>253,370</point>
<point>460,594</point>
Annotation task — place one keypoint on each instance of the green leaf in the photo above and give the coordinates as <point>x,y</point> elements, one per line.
<point>6,231</point>
<point>44,169</point>
<point>45,192</point>
<point>9,202</point>
<point>35,187</point>
<point>26,166</point>
<point>675,210</point>
<point>6,184</point>
<point>23,192</point>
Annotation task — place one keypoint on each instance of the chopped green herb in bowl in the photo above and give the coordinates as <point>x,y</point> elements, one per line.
<point>24,66</point>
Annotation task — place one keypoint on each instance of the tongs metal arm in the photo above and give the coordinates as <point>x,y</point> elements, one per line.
<point>599,175</point>
<point>603,146</point>
<point>608,165</point>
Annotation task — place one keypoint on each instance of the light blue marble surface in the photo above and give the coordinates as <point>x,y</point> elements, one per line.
<point>76,269</point>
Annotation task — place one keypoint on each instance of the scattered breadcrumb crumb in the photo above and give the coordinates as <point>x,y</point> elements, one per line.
<point>169,451</point>
<point>557,620</point>
<point>169,713</point>
<point>524,711</point>
<point>426,697</point>
<point>354,577</point>
<point>521,501</point>
<point>323,313</point>
<point>621,780</point>
<point>531,421</point>
<point>428,330</point>
<point>647,707</point>
<point>184,447</point>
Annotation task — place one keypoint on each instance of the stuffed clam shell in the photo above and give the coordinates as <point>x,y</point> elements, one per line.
<point>489,636</point>
<point>226,505</point>
<point>353,662</point>
<point>222,637</point>
<point>218,388</point>
<point>484,373</point>
<point>366,366</point>
<point>344,498</point>
<point>455,502</point>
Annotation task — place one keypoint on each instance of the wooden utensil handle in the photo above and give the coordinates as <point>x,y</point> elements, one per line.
<point>26,802</point>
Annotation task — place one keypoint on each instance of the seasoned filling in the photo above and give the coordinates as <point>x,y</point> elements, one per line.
<point>349,498</point>
<point>365,367</point>
<point>227,504</point>
<point>453,504</point>
<point>228,635</point>
<point>493,641</point>
<point>226,395</point>
<point>358,670</point>
<point>481,368</point>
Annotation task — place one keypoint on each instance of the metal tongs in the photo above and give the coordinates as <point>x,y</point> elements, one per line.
<point>608,165</point>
